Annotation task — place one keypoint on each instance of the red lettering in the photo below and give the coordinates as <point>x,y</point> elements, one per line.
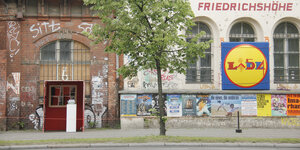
<point>259,7</point>
<point>206,6</point>
<point>225,6</point>
<point>252,6</point>
<point>230,66</point>
<point>239,7</point>
<point>200,5</point>
<point>232,6</point>
<point>265,6</point>
<point>243,6</point>
<point>280,6</point>
<point>219,6</point>
<point>289,7</point>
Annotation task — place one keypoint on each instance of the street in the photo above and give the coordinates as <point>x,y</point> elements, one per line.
<point>178,148</point>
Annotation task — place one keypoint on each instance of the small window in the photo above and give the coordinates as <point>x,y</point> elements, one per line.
<point>31,7</point>
<point>200,71</point>
<point>60,95</point>
<point>241,32</point>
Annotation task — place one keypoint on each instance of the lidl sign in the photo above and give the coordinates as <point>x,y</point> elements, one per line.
<point>245,65</point>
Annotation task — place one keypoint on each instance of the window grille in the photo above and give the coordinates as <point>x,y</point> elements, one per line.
<point>242,32</point>
<point>286,53</point>
<point>65,60</point>
<point>200,71</point>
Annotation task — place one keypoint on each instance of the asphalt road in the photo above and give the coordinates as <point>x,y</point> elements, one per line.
<point>178,148</point>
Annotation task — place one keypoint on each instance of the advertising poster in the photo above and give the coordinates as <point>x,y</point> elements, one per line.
<point>293,104</point>
<point>155,104</point>
<point>225,105</point>
<point>263,104</point>
<point>245,65</point>
<point>249,105</point>
<point>203,105</point>
<point>144,104</point>
<point>128,104</point>
<point>278,103</point>
<point>174,105</point>
<point>188,105</point>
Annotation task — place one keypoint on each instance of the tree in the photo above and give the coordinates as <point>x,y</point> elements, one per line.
<point>152,34</point>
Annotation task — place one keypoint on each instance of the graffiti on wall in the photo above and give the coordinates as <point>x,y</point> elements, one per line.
<point>43,28</point>
<point>294,122</point>
<point>99,92</point>
<point>150,79</point>
<point>2,83</point>
<point>13,38</point>
<point>133,83</point>
<point>86,27</point>
<point>37,118</point>
<point>285,87</point>
<point>15,84</point>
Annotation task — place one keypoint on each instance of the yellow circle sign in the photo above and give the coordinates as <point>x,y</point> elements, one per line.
<point>245,65</point>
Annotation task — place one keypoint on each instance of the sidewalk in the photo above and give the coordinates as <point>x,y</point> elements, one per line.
<point>115,133</point>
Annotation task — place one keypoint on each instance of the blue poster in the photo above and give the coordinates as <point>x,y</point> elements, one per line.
<point>144,104</point>
<point>245,66</point>
<point>128,104</point>
<point>225,105</point>
<point>174,105</point>
<point>203,105</point>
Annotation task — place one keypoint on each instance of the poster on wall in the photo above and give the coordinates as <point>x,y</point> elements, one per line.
<point>203,105</point>
<point>188,105</point>
<point>245,66</point>
<point>225,105</point>
<point>249,105</point>
<point>263,104</point>
<point>144,104</point>
<point>174,105</point>
<point>278,104</point>
<point>128,104</point>
<point>155,104</point>
<point>293,104</point>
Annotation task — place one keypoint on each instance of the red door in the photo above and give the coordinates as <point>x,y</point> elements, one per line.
<point>56,98</point>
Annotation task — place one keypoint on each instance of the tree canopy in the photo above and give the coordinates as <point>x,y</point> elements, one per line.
<point>147,31</point>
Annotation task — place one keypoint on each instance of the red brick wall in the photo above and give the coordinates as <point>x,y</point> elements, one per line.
<point>23,58</point>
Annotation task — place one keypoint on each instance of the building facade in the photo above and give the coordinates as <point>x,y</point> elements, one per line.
<point>267,98</point>
<point>43,40</point>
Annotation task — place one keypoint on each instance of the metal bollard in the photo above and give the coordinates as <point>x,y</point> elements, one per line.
<point>238,130</point>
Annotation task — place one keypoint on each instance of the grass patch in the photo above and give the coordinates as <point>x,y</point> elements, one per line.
<point>149,139</point>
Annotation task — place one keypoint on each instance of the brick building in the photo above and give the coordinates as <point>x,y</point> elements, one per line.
<point>42,40</point>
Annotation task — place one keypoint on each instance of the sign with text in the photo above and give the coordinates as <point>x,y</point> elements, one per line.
<point>293,104</point>
<point>245,66</point>
<point>264,105</point>
<point>128,104</point>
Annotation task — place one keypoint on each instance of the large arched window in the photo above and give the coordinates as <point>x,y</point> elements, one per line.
<point>241,32</point>
<point>65,60</point>
<point>200,71</point>
<point>286,53</point>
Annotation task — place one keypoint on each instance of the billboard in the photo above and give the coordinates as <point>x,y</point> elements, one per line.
<point>174,105</point>
<point>278,103</point>
<point>144,104</point>
<point>293,104</point>
<point>203,105</point>
<point>188,105</point>
<point>245,66</point>
<point>263,104</point>
<point>128,104</point>
<point>225,105</point>
<point>249,105</point>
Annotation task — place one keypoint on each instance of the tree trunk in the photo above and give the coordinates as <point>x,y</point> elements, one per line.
<point>161,101</point>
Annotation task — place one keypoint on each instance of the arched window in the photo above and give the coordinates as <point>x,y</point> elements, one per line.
<point>200,71</point>
<point>241,32</point>
<point>65,60</point>
<point>286,53</point>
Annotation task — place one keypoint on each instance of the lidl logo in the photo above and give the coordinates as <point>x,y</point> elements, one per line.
<point>245,65</point>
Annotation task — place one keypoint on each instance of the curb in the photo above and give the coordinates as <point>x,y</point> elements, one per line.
<point>95,145</point>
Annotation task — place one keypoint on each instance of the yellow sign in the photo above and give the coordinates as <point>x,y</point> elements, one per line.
<point>245,65</point>
<point>264,105</point>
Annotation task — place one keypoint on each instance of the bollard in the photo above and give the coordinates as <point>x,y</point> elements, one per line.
<point>238,130</point>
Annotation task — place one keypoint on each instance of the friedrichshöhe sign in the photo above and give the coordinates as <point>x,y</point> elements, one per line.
<point>245,65</point>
